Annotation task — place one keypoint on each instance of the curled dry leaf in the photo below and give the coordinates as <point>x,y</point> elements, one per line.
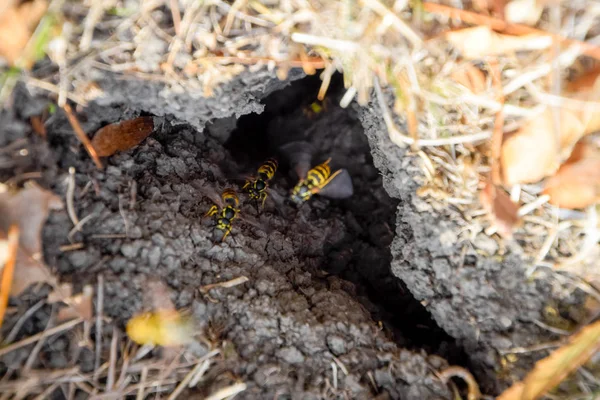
<point>577,183</point>
<point>533,152</point>
<point>17,23</point>
<point>480,41</point>
<point>122,136</point>
<point>503,212</point>
<point>28,208</point>
<point>78,306</point>
<point>552,370</point>
<point>523,11</point>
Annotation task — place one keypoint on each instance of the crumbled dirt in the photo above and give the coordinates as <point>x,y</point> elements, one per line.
<point>318,277</point>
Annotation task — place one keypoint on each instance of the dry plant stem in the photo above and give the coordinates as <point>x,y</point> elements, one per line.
<point>227,284</point>
<point>174,4</point>
<point>38,336</point>
<point>71,196</point>
<point>15,330</point>
<point>227,391</point>
<point>187,379</point>
<point>140,393</point>
<point>99,312</point>
<point>9,269</point>
<point>474,393</point>
<point>112,363</point>
<point>508,28</point>
<point>498,132</point>
<point>82,136</point>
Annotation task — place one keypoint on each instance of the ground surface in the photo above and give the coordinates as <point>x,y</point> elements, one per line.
<point>318,280</point>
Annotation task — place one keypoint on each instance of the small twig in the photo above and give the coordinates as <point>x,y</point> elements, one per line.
<point>112,361</point>
<point>227,284</point>
<point>15,330</point>
<point>99,312</point>
<point>140,393</point>
<point>82,136</point>
<point>498,132</point>
<point>176,16</point>
<point>80,225</point>
<point>38,347</point>
<point>9,268</point>
<point>188,378</point>
<point>450,372</point>
<point>71,247</point>
<point>71,196</point>
<point>227,391</point>
<point>38,336</point>
<point>530,349</point>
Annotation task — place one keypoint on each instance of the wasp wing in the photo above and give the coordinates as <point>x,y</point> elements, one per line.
<point>339,187</point>
<point>206,190</point>
<point>299,156</point>
<point>250,220</point>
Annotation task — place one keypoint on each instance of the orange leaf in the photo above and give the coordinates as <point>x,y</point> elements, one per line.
<point>552,370</point>
<point>28,208</point>
<point>577,182</point>
<point>122,136</point>
<point>17,23</point>
<point>8,261</point>
<point>502,210</point>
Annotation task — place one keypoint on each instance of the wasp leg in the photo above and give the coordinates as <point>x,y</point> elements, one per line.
<point>212,211</point>
<point>263,196</point>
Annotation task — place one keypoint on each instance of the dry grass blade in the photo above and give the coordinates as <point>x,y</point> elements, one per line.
<point>122,136</point>
<point>552,370</point>
<point>227,284</point>
<point>38,336</point>
<point>82,136</point>
<point>450,372</point>
<point>228,391</point>
<point>9,267</point>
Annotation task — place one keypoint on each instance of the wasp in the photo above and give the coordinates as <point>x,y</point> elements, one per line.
<point>316,180</point>
<point>315,108</point>
<point>226,209</point>
<point>257,186</point>
<point>161,327</point>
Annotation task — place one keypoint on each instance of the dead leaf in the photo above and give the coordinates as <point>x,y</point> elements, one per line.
<point>503,212</point>
<point>532,153</point>
<point>470,77</point>
<point>28,208</point>
<point>17,24</point>
<point>577,183</point>
<point>38,126</point>
<point>523,12</point>
<point>78,306</point>
<point>480,41</point>
<point>122,136</point>
<point>552,370</point>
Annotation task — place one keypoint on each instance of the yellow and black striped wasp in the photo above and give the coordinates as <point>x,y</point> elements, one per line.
<point>257,186</point>
<point>226,209</point>
<point>316,180</point>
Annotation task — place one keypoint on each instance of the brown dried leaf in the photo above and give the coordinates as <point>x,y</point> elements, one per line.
<point>552,370</point>
<point>122,136</point>
<point>503,212</point>
<point>79,305</point>
<point>470,77</point>
<point>17,23</point>
<point>577,182</point>
<point>28,208</point>
<point>480,41</point>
